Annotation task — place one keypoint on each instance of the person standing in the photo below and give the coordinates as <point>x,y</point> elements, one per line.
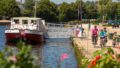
<point>115,39</point>
<point>81,31</point>
<point>102,38</point>
<point>89,25</point>
<point>95,35</point>
<point>106,33</point>
<point>77,31</point>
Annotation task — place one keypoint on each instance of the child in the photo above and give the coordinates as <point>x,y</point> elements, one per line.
<point>102,38</point>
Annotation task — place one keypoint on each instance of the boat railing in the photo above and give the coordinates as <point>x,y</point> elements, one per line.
<point>21,26</point>
<point>58,25</point>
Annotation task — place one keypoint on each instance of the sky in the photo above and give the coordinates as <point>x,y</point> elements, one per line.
<point>68,1</point>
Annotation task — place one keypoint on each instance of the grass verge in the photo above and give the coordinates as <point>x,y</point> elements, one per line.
<point>82,61</point>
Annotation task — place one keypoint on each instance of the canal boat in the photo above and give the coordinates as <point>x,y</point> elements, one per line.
<point>29,29</point>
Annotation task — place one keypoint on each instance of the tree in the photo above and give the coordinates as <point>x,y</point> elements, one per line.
<point>90,10</point>
<point>47,10</point>
<point>80,8</point>
<point>63,10</point>
<point>105,8</point>
<point>112,11</point>
<point>28,8</point>
<point>9,8</point>
<point>118,10</point>
<point>67,12</point>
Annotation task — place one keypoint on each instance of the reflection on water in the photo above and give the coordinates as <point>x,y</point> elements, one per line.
<point>50,53</point>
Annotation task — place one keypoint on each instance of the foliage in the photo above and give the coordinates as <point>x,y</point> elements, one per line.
<point>21,58</point>
<point>9,8</point>
<point>91,10</point>
<point>104,58</point>
<point>82,62</point>
<point>107,25</point>
<point>28,8</point>
<point>118,11</point>
<point>68,12</point>
<point>47,10</point>
<point>107,9</point>
<point>64,12</point>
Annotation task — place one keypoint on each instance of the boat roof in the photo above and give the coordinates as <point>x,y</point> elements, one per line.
<point>25,18</point>
<point>5,22</point>
<point>2,21</point>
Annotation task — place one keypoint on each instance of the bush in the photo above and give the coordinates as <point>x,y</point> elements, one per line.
<point>21,59</point>
<point>104,58</point>
<point>107,25</point>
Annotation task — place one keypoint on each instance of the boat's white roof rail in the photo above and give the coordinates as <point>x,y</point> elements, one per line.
<point>25,18</point>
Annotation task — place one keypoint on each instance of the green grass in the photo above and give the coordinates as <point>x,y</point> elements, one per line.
<point>82,61</point>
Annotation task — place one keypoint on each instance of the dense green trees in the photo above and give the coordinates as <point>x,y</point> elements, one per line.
<point>67,12</point>
<point>51,12</point>
<point>47,10</point>
<point>28,8</point>
<point>118,10</point>
<point>107,9</point>
<point>91,10</point>
<point>9,8</point>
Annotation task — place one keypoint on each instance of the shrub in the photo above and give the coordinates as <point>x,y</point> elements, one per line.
<point>104,58</point>
<point>22,58</point>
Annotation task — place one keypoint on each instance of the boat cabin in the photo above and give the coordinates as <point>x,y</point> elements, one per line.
<point>30,23</point>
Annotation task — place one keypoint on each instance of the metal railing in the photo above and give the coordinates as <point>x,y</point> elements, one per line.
<point>25,27</point>
<point>59,30</point>
<point>59,25</point>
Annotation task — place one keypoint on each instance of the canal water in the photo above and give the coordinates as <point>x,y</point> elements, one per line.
<point>2,37</point>
<point>55,53</point>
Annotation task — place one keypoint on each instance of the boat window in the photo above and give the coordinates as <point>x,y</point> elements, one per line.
<point>33,21</point>
<point>25,22</point>
<point>16,21</point>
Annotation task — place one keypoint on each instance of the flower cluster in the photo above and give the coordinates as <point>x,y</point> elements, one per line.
<point>94,61</point>
<point>104,58</point>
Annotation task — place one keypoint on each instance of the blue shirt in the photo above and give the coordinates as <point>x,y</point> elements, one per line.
<point>102,34</point>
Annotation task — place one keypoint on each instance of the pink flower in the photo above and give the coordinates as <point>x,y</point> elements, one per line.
<point>64,56</point>
<point>13,58</point>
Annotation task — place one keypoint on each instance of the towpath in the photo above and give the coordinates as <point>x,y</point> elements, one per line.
<point>87,45</point>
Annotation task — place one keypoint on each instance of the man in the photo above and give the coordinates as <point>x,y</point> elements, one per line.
<point>95,35</point>
<point>115,39</point>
